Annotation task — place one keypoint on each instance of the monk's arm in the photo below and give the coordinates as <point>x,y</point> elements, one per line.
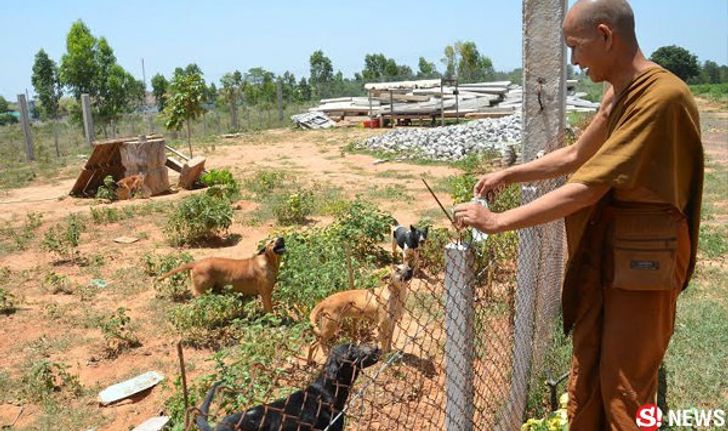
<point>557,204</point>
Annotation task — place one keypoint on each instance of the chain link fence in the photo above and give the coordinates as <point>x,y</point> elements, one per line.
<point>467,332</point>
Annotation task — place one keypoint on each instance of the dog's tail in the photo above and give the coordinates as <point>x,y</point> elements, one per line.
<point>201,420</point>
<point>314,317</point>
<point>185,267</point>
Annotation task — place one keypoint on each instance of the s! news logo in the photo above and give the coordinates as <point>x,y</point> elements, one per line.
<point>649,417</point>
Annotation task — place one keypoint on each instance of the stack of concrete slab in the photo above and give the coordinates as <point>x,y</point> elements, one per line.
<point>431,99</point>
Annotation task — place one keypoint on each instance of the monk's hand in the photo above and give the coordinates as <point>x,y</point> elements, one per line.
<point>490,185</point>
<point>477,216</point>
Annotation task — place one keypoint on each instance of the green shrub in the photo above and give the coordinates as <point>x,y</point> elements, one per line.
<point>173,287</point>
<point>44,378</point>
<point>254,369</point>
<point>199,218</point>
<point>266,181</point>
<point>118,333</point>
<point>64,240</point>
<point>106,191</point>
<point>22,236</point>
<point>58,283</point>
<point>206,320</point>
<point>105,215</point>
<point>294,208</point>
<point>361,225</point>
<point>221,183</point>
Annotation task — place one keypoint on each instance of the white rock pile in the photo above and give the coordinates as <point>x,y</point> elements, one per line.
<point>450,143</point>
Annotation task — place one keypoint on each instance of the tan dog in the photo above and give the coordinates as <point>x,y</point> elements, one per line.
<point>384,304</point>
<point>252,276</point>
<point>130,186</point>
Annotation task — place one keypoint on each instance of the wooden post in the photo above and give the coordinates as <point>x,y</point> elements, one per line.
<point>369,95</point>
<point>457,108</point>
<point>391,109</point>
<point>25,120</point>
<point>442,104</point>
<point>279,94</point>
<point>88,120</point>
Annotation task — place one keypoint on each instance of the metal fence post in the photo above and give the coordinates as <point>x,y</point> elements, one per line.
<point>459,346</point>
<point>25,120</point>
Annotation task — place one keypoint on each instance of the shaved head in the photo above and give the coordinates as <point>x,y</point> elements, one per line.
<point>617,14</point>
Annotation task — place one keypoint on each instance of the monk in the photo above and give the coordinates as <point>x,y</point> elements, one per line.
<point>632,211</point>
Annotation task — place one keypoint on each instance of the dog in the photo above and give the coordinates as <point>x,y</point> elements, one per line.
<point>313,408</point>
<point>128,187</point>
<point>384,304</point>
<point>253,276</point>
<point>409,241</point>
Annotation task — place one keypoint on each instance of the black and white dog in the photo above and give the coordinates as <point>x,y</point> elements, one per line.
<point>312,408</point>
<point>409,241</point>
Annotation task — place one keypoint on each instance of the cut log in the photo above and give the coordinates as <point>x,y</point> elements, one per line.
<point>191,172</point>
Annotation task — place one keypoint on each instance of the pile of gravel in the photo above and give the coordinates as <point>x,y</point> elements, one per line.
<point>450,142</point>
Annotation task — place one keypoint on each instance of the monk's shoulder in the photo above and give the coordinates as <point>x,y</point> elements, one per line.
<point>667,88</point>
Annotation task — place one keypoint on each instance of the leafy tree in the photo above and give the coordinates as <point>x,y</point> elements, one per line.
<point>159,90</point>
<point>4,107</point>
<point>426,70</point>
<point>184,104</point>
<point>710,73</point>
<point>470,65</point>
<point>304,89</point>
<point>322,73</point>
<point>212,94</point>
<point>79,68</point>
<point>230,93</point>
<point>47,85</point>
<point>259,86</point>
<point>377,67</point>
<point>677,60</point>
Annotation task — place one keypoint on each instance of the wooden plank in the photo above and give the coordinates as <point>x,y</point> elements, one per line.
<point>153,424</point>
<point>191,172</point>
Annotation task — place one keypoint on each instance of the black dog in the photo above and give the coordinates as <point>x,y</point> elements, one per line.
<point>409,240</point>
<point>312,408</point>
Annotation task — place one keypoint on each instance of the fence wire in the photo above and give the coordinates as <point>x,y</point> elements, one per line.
<point>465,342</point>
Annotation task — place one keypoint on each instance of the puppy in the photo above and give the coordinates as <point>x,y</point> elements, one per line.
<point>409,241</point>
<point>313,408</point>
<point>130,186</point>
<point>385,305</point>
<point>252,276</point>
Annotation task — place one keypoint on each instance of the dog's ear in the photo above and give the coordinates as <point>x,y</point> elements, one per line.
<point>413,228</point>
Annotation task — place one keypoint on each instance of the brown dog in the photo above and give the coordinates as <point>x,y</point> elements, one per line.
<point>252,276</point>
<point>384,304</point>
<point>130,186</point>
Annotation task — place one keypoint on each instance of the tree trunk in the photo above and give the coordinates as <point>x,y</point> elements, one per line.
<point>234,116</point>
<point>55,136</point>
<point>189,137</point>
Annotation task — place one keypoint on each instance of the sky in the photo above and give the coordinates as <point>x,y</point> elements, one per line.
<point>222,36</point>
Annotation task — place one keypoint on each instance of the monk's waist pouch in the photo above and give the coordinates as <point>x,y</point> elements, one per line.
<point>642,246</point>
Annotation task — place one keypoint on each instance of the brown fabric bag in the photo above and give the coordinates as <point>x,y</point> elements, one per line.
<point>643,246</point>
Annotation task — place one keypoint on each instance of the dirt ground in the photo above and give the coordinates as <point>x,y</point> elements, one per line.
<point>312,157</point>
<point>33,331</point>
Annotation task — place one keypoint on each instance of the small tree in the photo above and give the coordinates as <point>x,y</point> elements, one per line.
<point>322,73</point>
<point>230,93</point>
<point>159,90</point>
<point>187,94</point>
<point>47,85</point>
<point>677,60</point>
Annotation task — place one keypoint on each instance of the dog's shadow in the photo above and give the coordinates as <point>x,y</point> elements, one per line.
<point>218,242</point>
<point>424,366</point>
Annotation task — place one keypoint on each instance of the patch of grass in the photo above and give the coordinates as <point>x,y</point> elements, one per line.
<point>713,241</point>
<point>266,181</point>
<point>390,193</point>
<point>58,283</point>
<point>106,215</point>
<point>713,92</point>
<point>397,175</point>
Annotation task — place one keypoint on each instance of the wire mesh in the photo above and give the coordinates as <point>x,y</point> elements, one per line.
<point>464,339</point>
